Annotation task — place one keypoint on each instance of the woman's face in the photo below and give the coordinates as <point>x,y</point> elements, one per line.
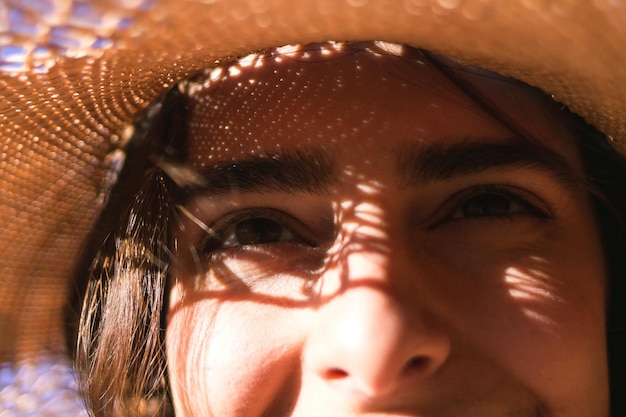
<point>367,240</point>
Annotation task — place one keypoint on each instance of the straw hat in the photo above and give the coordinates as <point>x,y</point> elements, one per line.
<point>75,75</point>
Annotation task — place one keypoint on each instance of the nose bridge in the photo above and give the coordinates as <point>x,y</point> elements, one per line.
<point>369,259</point>
<point>363,249</point>
<point>374,246</point>
<point>372,335</point>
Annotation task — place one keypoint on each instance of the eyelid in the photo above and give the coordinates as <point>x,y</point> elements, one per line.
<point>296,227</point>
<point>539,207</point>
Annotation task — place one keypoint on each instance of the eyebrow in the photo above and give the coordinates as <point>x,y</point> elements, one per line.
<point>303,171</point>
<point>440,161</point>
<point>313,170</point>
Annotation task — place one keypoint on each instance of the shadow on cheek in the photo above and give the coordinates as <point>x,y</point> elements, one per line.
<point>286,395</point>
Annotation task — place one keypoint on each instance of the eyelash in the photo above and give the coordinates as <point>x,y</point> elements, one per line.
<point>522,203</point>
<point>224,233</point>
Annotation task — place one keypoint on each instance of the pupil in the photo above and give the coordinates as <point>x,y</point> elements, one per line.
<point>257,231</point>
<point>487,205</point>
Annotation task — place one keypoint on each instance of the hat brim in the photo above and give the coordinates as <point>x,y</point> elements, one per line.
<point>74,84</point>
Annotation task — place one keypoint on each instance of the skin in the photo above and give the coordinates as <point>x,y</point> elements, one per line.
<point>375,293</point>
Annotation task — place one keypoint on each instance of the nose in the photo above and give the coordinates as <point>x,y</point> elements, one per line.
<point>374,337</point>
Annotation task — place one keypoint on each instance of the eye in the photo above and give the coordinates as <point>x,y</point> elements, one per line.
<point>254,231</point>
<point>255,227</point>
<point>489,204</point>
<point>494,202</point>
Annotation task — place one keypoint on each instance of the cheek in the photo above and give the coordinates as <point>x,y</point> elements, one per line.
<point>229,358</point>
<point>555,345</point>
<point>538,312</point>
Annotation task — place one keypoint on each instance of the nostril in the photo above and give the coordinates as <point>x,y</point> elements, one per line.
<point>335,373</point>
<point>417,364</point>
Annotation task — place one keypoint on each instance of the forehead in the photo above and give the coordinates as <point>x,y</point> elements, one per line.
<point>333,95</point>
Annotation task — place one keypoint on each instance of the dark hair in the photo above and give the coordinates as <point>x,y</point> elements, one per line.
<point>120,338</point>
<point>121,282</point>
<point>605,171</point>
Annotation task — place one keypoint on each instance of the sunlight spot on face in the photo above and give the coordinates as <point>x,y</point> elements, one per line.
<point>289,50</point>
<point>516,277</point>
<point>216,74</point>
<point>371,188</point>
<point>369,213</point>
<point>541,318</point>
<point>248,60</point>
<point>346,204</point>
<point>374,51</point>
<point>362,229</point>
<point>527,292</point>
<point>529,276</point>
<point>392,48</point>
<point>348,227</point>
<point>369,232</point>
<point>234,71</point>
<point>532,282</point>
<point>532,288</point>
